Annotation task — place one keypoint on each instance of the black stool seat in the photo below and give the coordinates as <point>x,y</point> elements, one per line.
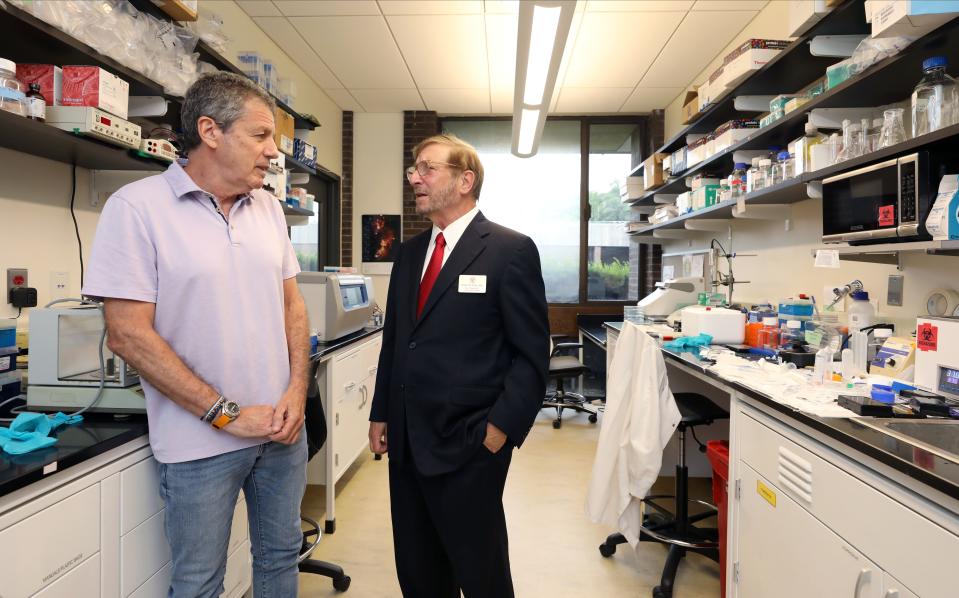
<point>697,410</point>
<point>563,366</point>
<point>566,365</point>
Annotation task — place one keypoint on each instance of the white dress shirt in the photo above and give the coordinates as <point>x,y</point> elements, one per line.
<point>452,233</point>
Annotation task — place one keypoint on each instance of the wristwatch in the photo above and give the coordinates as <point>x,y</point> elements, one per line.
<point>229,412</point>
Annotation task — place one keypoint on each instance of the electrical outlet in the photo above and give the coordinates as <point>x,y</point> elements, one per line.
<point>894,291</point>
<point>59,285</point>
<point>16,277</point>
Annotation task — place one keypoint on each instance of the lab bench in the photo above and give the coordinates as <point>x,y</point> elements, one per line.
<point>844,509</point>
<point>346,378</point>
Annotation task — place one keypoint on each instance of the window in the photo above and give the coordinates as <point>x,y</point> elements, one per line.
<point>317,243</point>
<point>544,197</point>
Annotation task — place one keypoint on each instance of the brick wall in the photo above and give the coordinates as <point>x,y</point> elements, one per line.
<point>417,126</point>
<point>346,193</point>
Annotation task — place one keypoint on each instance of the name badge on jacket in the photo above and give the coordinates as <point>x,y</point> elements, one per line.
<point>472,283</point>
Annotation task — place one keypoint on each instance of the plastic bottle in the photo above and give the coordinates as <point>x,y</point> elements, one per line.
<point>804,146</point>
<point>792,335</point>
<point>12,98</point>
<point>752,175</point>
<point>769,335</point>
<point>935,98</point>
<point>36,104</point>
<point>861,312</point>
<point>763,176</point>
<point>737,180</point>
<point>848,366</point>
<point>823,367</point>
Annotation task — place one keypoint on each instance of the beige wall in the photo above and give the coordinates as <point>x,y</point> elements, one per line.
<point>377,178</point>
<point>37,231</point>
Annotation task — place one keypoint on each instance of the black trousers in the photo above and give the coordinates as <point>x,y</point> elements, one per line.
<point>449,531</point>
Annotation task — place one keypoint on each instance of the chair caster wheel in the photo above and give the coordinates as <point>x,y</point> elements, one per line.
<point>659,592</point>
<point>592,418</point>
<point>607,550</point>
<point>557,424</point>
<point>342,584</point>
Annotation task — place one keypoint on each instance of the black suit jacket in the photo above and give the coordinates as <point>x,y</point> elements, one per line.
<point>470,358</point>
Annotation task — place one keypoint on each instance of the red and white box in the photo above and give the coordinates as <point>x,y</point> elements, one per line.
<point>93,86</point>
<point>49,76</point>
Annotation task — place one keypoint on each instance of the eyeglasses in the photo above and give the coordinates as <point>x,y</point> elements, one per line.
<point>423,167</point>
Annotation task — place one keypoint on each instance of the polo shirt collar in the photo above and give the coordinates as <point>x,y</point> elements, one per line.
<point>184,186</point>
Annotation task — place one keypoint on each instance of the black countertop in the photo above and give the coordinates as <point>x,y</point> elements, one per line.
<point>914,461</point>
<point>337,344</point>
<point>95,435</point>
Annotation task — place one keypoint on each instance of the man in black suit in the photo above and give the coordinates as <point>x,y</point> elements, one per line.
<point>462,375</point>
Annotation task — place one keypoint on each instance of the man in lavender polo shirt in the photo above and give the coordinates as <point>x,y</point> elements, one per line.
<point>198,279</point>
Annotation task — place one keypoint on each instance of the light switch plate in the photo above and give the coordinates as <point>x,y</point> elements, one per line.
<point>895,289</point>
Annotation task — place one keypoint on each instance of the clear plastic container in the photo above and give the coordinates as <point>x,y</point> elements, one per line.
<point>860,312</point>
<point>892,130</point>
<point>851,141</point>
<point>752,175</point>
<point>792,336</point>
<point>763,175</point>
<point>12,97</point>
<point>769,335</point>
<point>935,99</point>
<point>804,145</point>
<point>823,365</point>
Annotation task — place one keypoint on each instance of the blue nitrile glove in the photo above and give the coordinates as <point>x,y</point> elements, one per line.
<point>689,342</point>
<point>31,432</point>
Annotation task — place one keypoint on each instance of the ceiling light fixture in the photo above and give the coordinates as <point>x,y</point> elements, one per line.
<point>543,29</point>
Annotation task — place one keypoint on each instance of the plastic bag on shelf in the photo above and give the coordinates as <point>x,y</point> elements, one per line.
<point>872,50</point>
<point>209,27</point>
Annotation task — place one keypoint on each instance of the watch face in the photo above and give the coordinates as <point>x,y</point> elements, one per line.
<point>231,409</point>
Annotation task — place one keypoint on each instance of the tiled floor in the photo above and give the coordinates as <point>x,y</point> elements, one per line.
<point>553,546</point>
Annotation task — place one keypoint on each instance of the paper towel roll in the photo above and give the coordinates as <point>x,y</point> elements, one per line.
<point>942,302</point>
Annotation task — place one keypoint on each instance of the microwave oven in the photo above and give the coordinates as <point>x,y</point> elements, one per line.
<point>886,202</point>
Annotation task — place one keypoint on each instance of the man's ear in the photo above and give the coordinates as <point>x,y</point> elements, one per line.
<point>208,131</point>
<point>467,180</point>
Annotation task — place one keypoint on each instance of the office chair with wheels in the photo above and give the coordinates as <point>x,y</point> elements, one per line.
<point>316,438</point>
<point>563,366</point>
<point>677,529</point>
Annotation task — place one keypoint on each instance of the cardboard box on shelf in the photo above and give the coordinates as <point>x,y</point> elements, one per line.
<point>703,197</point>
<point>634,186</point>
<point>283,133</point>
<point>653,171</point>
<point>696,152</point>
<point>93,86</point>
<point>677,161</point>
<point>50,78</point>
<point>709,92</point>
<point>803,14</point>
<point>750,56</point>
<point>891,18</point>
<point>690,104</point>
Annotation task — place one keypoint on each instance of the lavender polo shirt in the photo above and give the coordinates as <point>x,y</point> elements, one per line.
<point>218,290</point>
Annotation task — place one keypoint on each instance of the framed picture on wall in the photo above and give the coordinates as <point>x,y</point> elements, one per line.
<point>380,242</point>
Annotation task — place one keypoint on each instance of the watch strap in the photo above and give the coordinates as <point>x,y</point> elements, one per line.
<point>214,409</point>
<point>221,420</point>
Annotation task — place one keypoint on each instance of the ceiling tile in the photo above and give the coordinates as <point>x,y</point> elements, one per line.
<point>290,41</point>
<point>501,50</point>
<point>647,99</point>
<point>457,101</point>
<point>697,41</point>
<point>724,5</point>
<point>259,8</point>
<point>359,50</point>
<point>638,5</point>
<point>444,52</point>
<point>592,100</point>
<point>344,99</point>
<point>615,49</point>
<point>389,100</point>
<point>326,8</point>
<point>501,101</point>
<point>501,6</point>
<point>431,7</point>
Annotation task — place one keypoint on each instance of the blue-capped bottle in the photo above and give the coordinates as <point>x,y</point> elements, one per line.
<point>935,101</point>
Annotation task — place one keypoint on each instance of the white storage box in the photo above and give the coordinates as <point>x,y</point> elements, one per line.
<point>93,86</point>
<point>748,58</point>
<point>891,18</point>
<point>726,326</point>
<point>803,14</point>
<point>684,203</point>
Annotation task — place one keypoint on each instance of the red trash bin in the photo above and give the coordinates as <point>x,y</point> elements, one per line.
<point>718,453</point>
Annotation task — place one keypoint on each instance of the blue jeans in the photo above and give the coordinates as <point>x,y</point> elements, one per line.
<point>200,497</point>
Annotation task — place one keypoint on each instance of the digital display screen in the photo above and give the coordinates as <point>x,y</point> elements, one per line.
<point>353,296</point>
<point>949,380</point>
<point>105,120</point>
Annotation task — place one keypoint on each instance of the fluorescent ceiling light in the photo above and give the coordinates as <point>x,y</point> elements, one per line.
<point>542,39</point>
<point>542,32</point>
<point>527,131</point>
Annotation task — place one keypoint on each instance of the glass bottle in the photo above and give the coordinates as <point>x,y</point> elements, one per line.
<point>36,104</point>
<point>752,176</point>
<point>935,98</point>
<point>892,130</point>
<point>763,175</point>
<point>769,334</point>
<point>737,180</point>
<point>12,98</point>
<point>850,141</point>
<point>804,146</point>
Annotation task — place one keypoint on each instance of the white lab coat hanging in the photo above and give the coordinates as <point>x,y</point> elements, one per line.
<point>640,417</point>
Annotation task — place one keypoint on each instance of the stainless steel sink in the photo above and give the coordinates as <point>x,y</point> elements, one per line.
<point>938,436</point>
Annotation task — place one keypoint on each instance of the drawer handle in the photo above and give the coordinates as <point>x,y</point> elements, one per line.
<point>350,386</point>
<point>373,369</point>
<point>893,593</point>
<point>363,394</point>
<point>862,579</point>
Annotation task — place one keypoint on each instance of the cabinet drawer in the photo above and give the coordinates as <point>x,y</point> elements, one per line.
<point>57,539</point>
<point>84,580</point>
<point>912,548</point>
<point>157,586</point>
<point>355,366</point>
<point>143,552</point>
<point>239,570</point>
<point>139,494</point>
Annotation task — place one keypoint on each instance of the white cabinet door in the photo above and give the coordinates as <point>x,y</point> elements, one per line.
<point>84,580</point>
<point>891,588</point>
<point>785,552</point>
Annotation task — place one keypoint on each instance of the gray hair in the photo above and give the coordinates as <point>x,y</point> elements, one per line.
<point>221,96</point>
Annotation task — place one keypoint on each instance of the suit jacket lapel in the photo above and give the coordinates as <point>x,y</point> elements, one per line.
<point>416,272</point>
<point>467,249</point>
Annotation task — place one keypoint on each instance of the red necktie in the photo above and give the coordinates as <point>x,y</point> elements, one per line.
<point>432,272</point>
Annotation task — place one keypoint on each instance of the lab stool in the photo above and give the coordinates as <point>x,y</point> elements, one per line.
<point>678,529</point>
<point>563,367</point>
